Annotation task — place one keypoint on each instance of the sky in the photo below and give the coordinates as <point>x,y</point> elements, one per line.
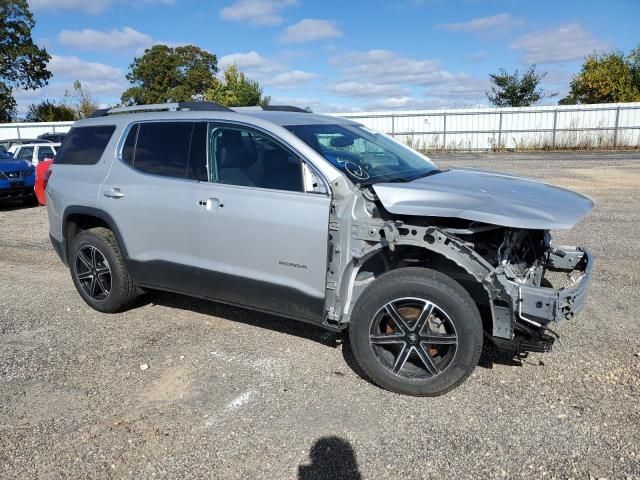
<point>336,55</point>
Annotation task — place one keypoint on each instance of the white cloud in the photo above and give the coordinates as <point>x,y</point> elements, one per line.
<point>566,42</point>
<point>250,62</point>
<point>366,89</point>
<point>267,71</point>
<point>309,30</point>
<point>464,87</point>
<point>290,79</point>
<point>387,67</point>
<point>500,23</point>
<point>256,12</point>
<point>390,81</point>
<point>106,83</point>
<point>88,39</point>
<point>478,56</point>
<point>75,68</point>
<point>89,6</point>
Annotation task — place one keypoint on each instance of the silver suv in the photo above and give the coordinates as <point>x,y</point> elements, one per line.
<point>322,220</point>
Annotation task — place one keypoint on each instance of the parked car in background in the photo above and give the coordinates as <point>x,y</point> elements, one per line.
<point>17,178</point>
<point>43,171</point>
<point>34,152</point>
<point>52,137</point>
<point>7,144</point>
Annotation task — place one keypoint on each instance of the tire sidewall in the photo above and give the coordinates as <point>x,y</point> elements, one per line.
<point>111,302</point>
<point>446,294</point>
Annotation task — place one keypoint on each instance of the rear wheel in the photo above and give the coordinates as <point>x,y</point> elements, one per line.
<point>99,272</point>
<point>416,331</point>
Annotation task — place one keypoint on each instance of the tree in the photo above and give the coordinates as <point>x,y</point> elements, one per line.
<point>49,111</point>
<point>513,90</point>
<point>236,90</point>
<point>606,78</point>
<point>81,99</point>
<point>22,63</point>
<point>165,74</point>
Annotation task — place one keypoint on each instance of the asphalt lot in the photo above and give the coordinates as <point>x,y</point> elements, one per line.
<point>234,394</point>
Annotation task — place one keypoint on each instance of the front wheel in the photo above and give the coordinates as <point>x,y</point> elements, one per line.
<point>416,331</point>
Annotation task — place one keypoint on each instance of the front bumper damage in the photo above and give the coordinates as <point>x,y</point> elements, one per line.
<point>535,307</point>
<point>543,304</point>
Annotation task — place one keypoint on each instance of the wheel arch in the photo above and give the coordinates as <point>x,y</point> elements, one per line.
<point>460,264</point>
<point>76,219</point>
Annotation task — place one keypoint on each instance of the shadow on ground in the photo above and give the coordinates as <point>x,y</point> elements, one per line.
<point>490,355</point>
<point>331,458</point>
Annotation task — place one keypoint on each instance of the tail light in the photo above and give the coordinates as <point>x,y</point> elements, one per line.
<point>47,174</point>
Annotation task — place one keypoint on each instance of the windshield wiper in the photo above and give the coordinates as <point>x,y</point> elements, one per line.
<point>409,178</point>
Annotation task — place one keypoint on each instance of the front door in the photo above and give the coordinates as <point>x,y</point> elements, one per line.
<point>264,238</point>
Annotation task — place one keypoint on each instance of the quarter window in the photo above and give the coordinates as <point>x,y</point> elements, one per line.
<point>245,157</point>
<point>84,145</point>
<point>45,153</point>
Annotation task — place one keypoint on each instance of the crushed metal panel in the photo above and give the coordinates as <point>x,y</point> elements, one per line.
<point>487,197</point>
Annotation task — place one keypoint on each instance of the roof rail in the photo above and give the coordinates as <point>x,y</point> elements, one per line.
<point>270,108</point>
<point>155,107</point>
<point>283,108</point>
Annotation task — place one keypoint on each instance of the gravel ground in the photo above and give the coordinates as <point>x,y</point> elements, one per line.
<point>229,393</point>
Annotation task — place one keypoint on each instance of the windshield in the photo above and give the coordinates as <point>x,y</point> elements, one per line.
<point>364,155</point>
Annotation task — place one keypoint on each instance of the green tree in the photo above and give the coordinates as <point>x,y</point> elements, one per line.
<point>22,63</point>
<point>49,111</point>
<point>165,74</point>
<point>236,90</point>
<point>606,78</point>
<point>515,90</point>
<point>81,100</point>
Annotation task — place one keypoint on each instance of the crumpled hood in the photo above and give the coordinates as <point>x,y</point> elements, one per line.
<point>488,197</point>
<point>10,164</point>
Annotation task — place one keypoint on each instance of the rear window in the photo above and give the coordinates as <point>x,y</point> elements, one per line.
<point>84,145</point>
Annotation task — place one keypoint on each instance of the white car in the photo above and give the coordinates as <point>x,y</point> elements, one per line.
<point>34,152</point>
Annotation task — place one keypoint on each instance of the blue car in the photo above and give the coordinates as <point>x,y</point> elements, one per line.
<point>17,178</point>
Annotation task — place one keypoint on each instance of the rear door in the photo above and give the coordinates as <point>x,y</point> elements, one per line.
<point>263,239</point>
<point>152,194</point>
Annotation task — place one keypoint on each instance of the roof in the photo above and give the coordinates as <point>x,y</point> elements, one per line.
<point>296,118</point>
<point>279,118</point>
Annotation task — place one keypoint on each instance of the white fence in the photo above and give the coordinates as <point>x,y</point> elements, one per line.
<point>577,126</point>
<point>613,125</point>
<point>32,130</point>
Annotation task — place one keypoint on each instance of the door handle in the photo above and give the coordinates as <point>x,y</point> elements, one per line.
<point>113,193</point>
<point>210,203</point>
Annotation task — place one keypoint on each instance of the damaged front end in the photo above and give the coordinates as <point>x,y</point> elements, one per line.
<point>487,231</point>
<point>533,283</point>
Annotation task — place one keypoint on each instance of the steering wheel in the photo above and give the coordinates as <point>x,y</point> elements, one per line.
<point>356,170</point>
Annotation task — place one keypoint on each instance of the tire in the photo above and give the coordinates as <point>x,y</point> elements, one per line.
<point>101,259</point>
<point>31,201</point>
<point>432,308</point>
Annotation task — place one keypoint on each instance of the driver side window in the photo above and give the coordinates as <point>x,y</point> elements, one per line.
<point>244,157</point>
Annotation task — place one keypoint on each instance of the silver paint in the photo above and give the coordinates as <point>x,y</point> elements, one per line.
<point>488,197</point>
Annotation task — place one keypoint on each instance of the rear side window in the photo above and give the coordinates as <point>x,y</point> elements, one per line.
<point>44,153</point>
<point>84,145</point>
<point>170,149</point>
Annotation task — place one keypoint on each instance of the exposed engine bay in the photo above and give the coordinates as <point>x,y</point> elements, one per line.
<point>520,281</point>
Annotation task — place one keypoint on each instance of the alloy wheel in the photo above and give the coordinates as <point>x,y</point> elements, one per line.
<point>93,272</point>
<point>413,338</point>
